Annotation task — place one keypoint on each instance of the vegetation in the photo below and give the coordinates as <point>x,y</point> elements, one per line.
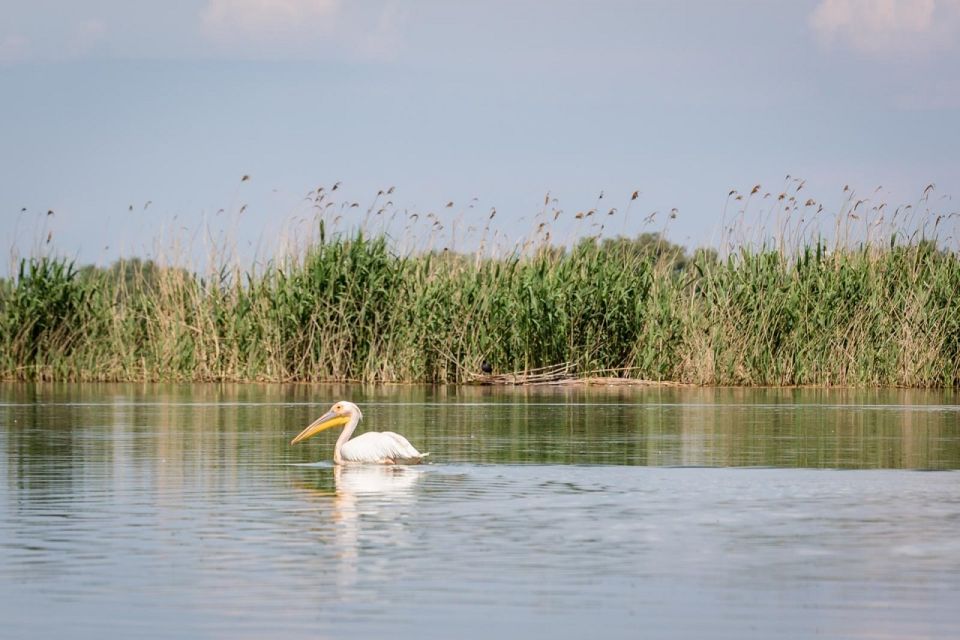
<point>351,308</point>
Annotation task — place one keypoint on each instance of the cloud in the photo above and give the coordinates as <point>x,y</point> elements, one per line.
<point>888,28</point>
<point>305,29</point>
<point>385,39</point>
<point>87,35</point>
<point>74,40</point>
<point>268,22</point>
<point>14,48</point>
<point>940,94</point>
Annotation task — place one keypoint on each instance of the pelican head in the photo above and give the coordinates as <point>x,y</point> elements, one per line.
<point>339,414</point>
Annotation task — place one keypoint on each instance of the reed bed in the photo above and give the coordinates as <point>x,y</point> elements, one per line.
<point>783,308</point>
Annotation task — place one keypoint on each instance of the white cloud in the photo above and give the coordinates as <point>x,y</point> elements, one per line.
<point>887,28</point>
<point>277,22</point>
<point>279,29</point>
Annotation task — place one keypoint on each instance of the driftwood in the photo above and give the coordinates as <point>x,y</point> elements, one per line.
<point>566,374</point>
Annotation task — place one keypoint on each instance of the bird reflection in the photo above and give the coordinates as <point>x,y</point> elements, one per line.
<point>367,507</point>
<point>374,479</point>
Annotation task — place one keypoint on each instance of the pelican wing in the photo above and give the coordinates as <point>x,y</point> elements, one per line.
<point>383,447</point>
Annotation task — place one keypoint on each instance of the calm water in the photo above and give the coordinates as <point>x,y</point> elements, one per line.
<point>166,511</point>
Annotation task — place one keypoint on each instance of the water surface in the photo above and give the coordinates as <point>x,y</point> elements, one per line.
<point>165,510</point>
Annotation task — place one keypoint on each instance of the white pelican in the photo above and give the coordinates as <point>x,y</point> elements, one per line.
<point>378,447</point>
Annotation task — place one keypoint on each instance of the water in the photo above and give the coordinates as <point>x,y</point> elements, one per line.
<point>166,511</point>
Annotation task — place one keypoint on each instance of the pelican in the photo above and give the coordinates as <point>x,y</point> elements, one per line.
<point>377,447</point>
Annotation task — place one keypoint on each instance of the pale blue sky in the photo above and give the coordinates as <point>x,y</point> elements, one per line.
<point>108,103</point>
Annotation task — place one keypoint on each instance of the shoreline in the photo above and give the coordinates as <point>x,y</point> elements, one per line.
<point>594,382</point>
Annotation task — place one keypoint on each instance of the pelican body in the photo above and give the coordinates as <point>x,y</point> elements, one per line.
<point>374,447</point>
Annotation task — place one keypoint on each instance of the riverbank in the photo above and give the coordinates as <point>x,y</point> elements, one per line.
<point>351,308</point>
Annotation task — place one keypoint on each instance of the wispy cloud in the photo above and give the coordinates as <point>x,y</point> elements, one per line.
<point>303,28</point>
<point>14,48</point>
<point>888,28</point>
<point>940,94</point>
<point>386,38</point>
<point>87,35</point>
<point>74,40</point>
<point>291,23</point>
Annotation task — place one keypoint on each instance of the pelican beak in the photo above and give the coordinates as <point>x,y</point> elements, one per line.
<point>327,420</point>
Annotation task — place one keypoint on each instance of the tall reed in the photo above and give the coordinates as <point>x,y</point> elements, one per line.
<point>793,310</point>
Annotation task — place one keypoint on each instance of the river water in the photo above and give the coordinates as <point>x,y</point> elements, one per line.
<point>182,511</point>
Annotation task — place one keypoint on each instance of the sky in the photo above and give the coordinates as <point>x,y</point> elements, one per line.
<point>135,123</point>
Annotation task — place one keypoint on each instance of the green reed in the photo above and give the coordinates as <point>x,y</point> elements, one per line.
<point>350,307</point>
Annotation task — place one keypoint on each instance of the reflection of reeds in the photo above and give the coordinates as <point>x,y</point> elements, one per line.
<point>776,303</point>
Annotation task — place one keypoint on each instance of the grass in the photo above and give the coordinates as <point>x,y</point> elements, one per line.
<point>788,310</point>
